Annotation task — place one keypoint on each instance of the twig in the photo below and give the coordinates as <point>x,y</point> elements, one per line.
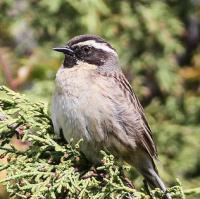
<point>7,73</point>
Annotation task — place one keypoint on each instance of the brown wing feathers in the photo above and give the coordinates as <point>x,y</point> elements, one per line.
<point>145,137</point>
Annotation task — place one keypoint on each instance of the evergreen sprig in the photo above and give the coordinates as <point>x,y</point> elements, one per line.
<point>50,168</point>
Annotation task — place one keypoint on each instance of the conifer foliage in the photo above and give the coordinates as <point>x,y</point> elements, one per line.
<point>50,168</point>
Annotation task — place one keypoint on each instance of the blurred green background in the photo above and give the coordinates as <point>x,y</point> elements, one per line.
<point>159,47</point>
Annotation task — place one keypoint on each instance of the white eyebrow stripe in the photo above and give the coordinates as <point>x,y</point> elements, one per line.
<point>94,44</point>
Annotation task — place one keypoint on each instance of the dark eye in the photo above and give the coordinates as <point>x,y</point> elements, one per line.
<point>76,48</point>
<point>86,49</point>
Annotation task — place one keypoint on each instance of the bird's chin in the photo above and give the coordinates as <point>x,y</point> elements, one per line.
<point>70,61</point>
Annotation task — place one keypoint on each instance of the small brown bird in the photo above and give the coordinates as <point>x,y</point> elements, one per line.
<point>93,101</point>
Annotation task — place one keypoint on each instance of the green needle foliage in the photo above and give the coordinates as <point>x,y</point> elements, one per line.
<point>53,169</point>
<point>159,49</point>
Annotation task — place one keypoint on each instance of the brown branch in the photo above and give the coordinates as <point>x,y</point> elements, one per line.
<point>7,72</point>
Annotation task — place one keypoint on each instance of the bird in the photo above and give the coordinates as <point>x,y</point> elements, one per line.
<point>93,101</point>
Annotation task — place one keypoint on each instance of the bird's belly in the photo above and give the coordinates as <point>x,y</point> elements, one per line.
<point>76,111</point>
<point>83,112</point>
<point>72,119</point>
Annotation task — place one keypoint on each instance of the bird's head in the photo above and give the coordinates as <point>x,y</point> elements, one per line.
<point>89,49</point>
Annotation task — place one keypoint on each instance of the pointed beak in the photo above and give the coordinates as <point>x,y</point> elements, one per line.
<point>65,50</point>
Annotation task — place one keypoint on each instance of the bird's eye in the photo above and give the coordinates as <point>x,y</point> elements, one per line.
<point>76,48</point>
<point>86,49</point>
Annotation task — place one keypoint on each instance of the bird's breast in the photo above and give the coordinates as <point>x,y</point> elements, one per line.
<point>77,101</point>
<point>72,82</point>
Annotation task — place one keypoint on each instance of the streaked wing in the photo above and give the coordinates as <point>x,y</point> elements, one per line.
<point>139,124</point>
<point>146,138</point>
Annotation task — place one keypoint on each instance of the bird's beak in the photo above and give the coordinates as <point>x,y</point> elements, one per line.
<point>65,50</point>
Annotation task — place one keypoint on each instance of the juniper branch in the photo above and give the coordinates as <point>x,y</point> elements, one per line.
<point>51,169</point>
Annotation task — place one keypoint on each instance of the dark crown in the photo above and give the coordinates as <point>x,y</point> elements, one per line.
<point>83,38</point>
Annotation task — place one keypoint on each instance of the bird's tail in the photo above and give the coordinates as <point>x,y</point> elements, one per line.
<point>153,179</point>
<point>144,163</point>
